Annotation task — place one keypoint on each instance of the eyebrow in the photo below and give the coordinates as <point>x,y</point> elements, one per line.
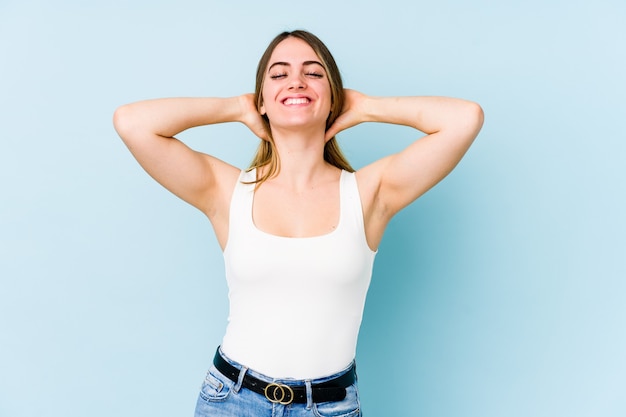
<point>287,64</point>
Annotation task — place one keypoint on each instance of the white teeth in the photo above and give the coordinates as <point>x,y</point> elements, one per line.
<point>296,101</point>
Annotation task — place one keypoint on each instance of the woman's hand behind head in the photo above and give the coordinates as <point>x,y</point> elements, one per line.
<point>250,116</point>
<point>352,114</point>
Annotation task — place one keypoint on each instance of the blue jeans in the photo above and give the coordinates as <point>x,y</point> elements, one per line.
<point>221,397</point>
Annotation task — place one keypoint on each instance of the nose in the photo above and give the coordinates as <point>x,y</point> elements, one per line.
<point>297,83</point>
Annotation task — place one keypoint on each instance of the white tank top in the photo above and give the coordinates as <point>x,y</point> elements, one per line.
<point>296,304</point>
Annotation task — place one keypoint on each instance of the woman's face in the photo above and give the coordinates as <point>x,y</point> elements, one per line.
<point>296,92</point>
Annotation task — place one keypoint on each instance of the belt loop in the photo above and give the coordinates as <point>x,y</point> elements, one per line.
<point>242,373</point>
<point>309,394</point>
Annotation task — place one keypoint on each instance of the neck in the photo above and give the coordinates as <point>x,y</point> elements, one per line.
<point>301,157</point>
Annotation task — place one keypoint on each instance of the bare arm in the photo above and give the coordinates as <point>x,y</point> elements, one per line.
<point>395,181</point>
<point>148,129</point>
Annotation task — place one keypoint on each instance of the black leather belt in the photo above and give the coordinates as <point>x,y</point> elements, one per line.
<point>333,390</point>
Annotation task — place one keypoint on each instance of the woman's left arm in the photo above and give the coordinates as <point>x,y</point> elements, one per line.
<point>450,125</point>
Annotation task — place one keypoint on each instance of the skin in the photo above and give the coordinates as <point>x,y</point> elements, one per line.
<point>307,187</point>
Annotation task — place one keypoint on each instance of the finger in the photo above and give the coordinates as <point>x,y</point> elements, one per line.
<point>263,133</point>
<point>338,125</point>
<point>332,131</point>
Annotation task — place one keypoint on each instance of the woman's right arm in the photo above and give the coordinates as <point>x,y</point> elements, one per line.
<point>148,129</point>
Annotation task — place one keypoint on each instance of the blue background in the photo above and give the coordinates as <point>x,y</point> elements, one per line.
<point>499,293</point>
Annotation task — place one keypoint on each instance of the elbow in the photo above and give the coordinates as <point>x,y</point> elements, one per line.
<point>123,121</point>
<point>475,117</point>
<point>476,113</point>
<point>480,114</point>
<point>120,118</point>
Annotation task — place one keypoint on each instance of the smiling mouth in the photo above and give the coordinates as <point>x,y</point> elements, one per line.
<point>294,101</point>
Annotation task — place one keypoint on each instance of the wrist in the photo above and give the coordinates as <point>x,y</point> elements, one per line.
<point>371,109</point>
<point>243,104</point>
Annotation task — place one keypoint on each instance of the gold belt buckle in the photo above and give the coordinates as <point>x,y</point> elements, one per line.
<point>277,393</point>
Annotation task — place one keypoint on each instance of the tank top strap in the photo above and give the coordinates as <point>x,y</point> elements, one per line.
<point>240,214</point>
<point>351,207</point>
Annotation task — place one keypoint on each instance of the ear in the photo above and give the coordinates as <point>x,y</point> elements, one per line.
<point>262,110</point>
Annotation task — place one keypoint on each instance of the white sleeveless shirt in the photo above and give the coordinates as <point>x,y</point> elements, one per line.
<point>296,304</point>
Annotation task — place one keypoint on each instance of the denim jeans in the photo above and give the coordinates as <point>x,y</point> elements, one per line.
<point>221,397</point>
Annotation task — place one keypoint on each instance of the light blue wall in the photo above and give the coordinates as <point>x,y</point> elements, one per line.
<point>499,293</point>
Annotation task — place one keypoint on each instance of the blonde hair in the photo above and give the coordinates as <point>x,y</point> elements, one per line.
<point>266,153</point>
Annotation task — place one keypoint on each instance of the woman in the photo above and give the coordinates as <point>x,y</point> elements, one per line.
<point>299,229</point>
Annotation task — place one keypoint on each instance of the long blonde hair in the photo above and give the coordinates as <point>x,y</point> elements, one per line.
<point>266,153</point>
